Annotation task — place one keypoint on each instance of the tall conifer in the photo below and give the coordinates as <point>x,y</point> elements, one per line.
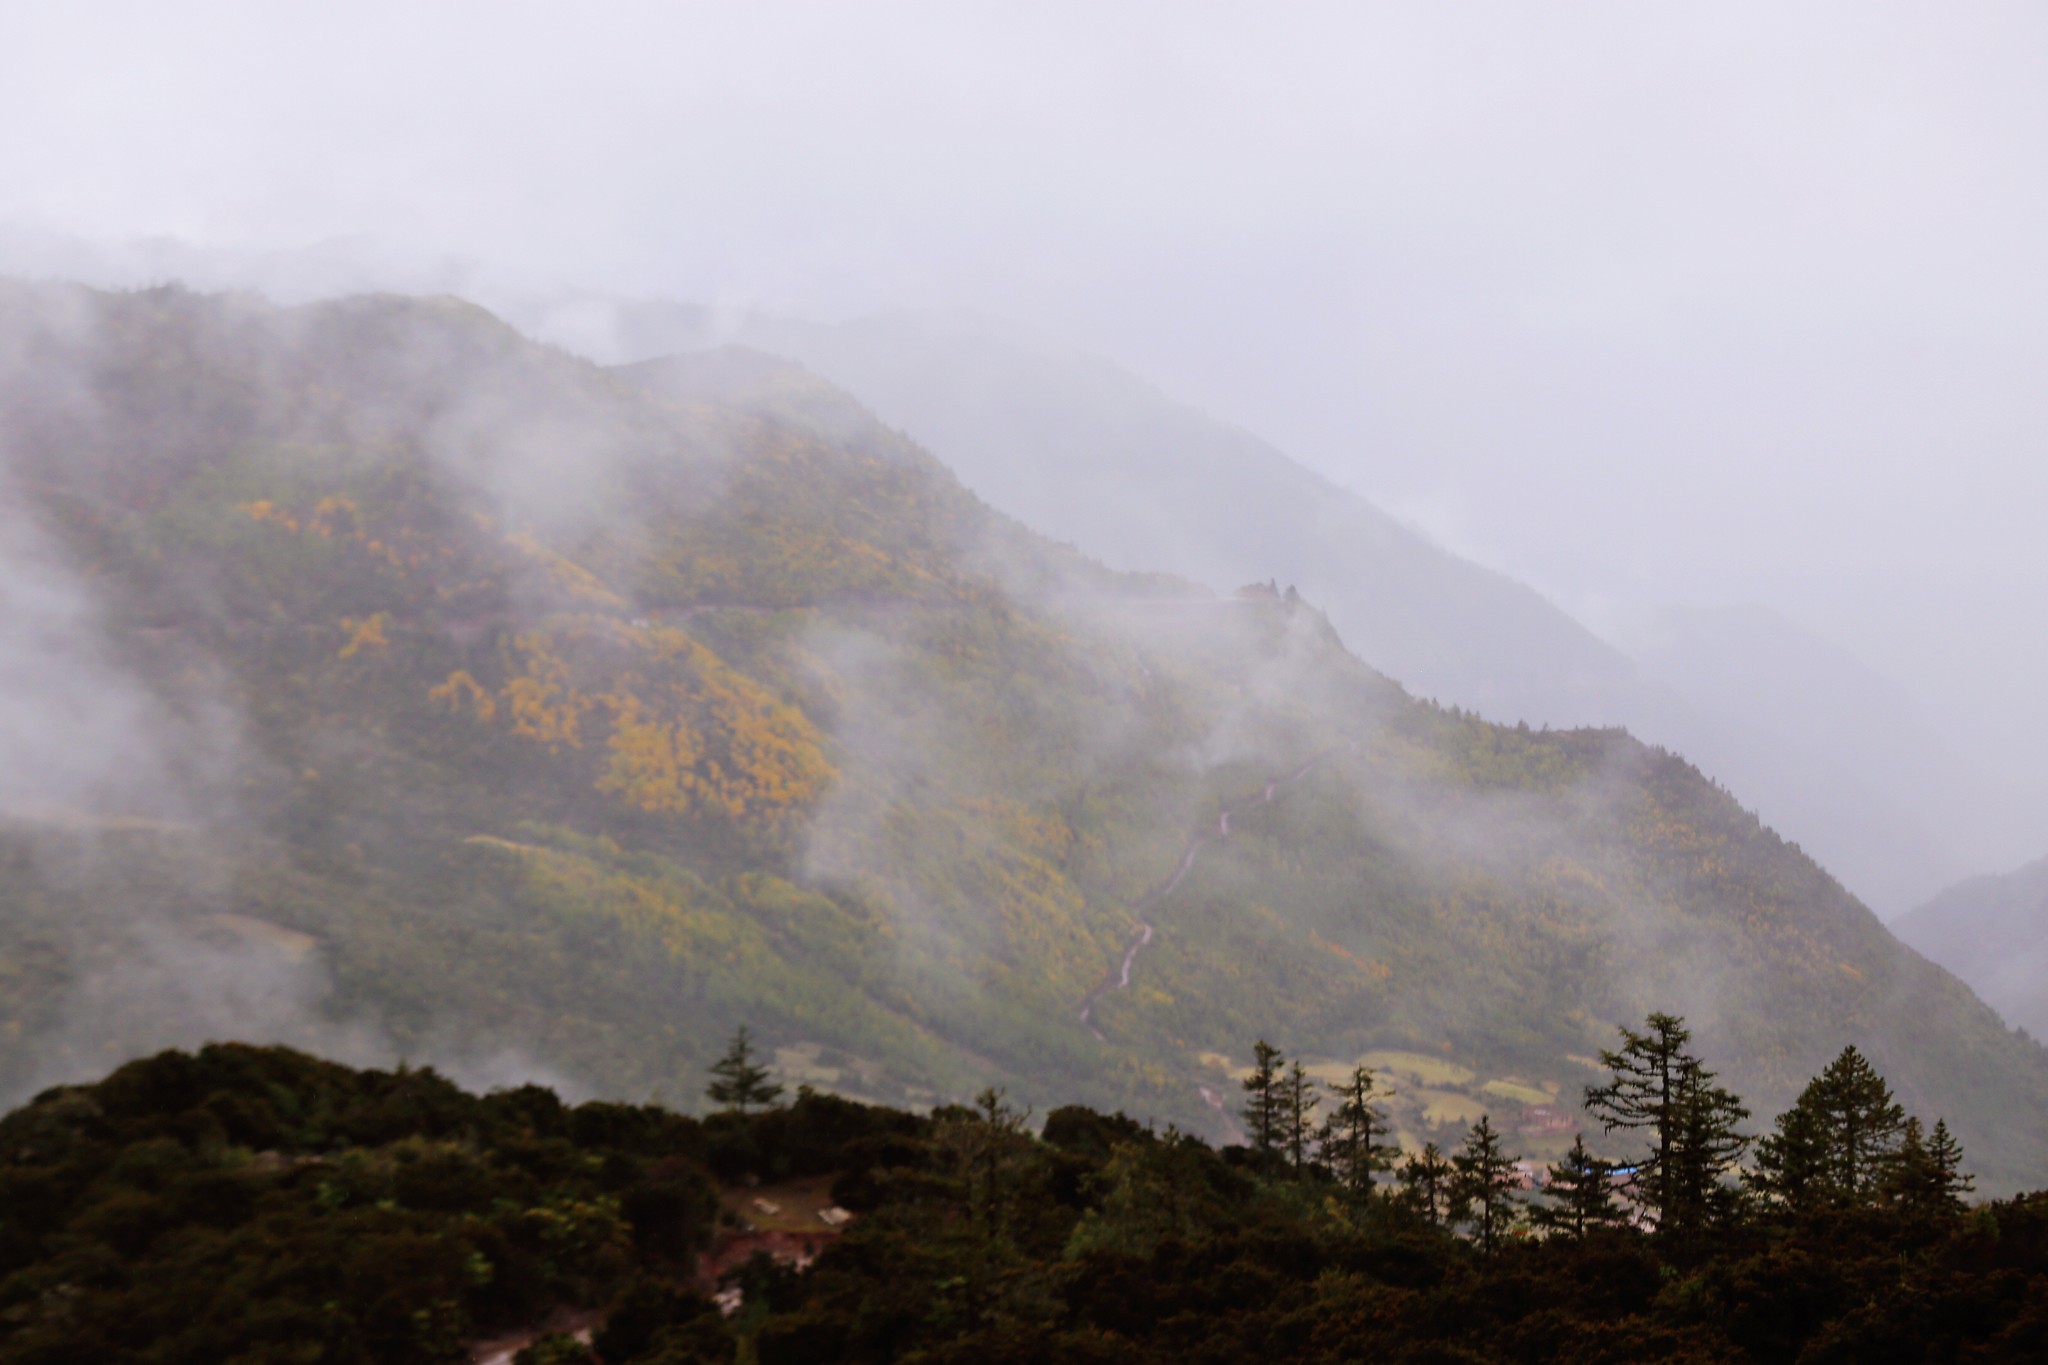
<point>1694,1190</point>
<point>1579,1195</point>
<point>1951,1181</point>
<point>1483,1182</point>
<point>1351,1138</point>
<point>1427,1176</point>
<point>1839,1143</point>
<point>1264,1109</point>
<point>1663,1091</point>
<point>1300,1101</point>
<point>1642,1094</point>
<point>741,1082</point>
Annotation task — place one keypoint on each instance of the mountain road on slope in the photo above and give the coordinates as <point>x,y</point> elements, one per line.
<point>1146,903</point>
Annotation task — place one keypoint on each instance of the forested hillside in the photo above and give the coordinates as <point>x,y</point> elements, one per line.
<point>416,690</point>
<point>1083,450</point>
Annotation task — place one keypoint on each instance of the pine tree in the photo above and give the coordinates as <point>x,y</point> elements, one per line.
<point>1427,1176</point>
<point>1791,1161</point>
<point>1350,1144</point>
<point>1706,1150</point>
<point>742,1083</point>
<point>1838,1143</point>
<point>1300,1101</point>
<point>1483,1182</point>
<point>1660,1088</point>
<point>1643,1094</point>
<point>1580,1191</point>
<point>1264,1113</point>
<point>1864,1126</point>
<point>1951,1181</point>
<point>1926,1177</point>
<point>1910,1188</point>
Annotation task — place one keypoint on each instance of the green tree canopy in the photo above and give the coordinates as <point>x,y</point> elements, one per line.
<point>1838,1144</point>
<point>1426,1184</point>
<point>1299,1102</point>
<point>1351,1138</point>
<point>1265,1108</point>
<point>1927,1176</point>
<point>1660,1089</point>
<point>1483,1183</point>
<point>1579,1195</point>
<point>739,1082</point>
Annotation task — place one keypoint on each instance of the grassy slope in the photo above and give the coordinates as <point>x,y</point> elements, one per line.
<point>593,714</point>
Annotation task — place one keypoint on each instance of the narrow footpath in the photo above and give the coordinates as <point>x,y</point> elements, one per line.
<point>1149,902</point>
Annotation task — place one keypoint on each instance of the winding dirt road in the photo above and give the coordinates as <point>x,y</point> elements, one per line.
<point>1151,899</point>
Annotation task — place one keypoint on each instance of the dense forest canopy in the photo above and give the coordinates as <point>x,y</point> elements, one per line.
<point>255,1204</point>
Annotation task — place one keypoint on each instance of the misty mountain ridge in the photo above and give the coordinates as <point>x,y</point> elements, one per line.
<point>1800,689</point>
<point>1993,933</point>
<point>1824,743</point>
<point>486,704</point>
<point>1076,447</point>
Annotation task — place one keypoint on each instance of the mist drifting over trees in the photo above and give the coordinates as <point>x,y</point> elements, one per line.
<point>1146,649</point>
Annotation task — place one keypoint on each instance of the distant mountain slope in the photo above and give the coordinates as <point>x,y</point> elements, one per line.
<point>1444,627</point>
<point>1086,452</point>
<point>382,681</point>
<point>1824,744</point>
<point>1803,688</point>
<point>1993,933</point>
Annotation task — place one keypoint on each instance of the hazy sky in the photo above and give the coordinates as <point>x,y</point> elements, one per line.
<point>1639,302</point>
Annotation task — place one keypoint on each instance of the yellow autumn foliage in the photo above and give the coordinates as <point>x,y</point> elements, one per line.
<point>366,633</point>
<point>333,518</point>
<point>461,687</point>
<point>706,738</point>
<point>264,510</point>
<point>683,732</point>
<point>653,762</point>
<point>540,700</point>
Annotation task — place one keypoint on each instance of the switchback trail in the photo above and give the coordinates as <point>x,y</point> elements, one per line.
<point>1121,978</point>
